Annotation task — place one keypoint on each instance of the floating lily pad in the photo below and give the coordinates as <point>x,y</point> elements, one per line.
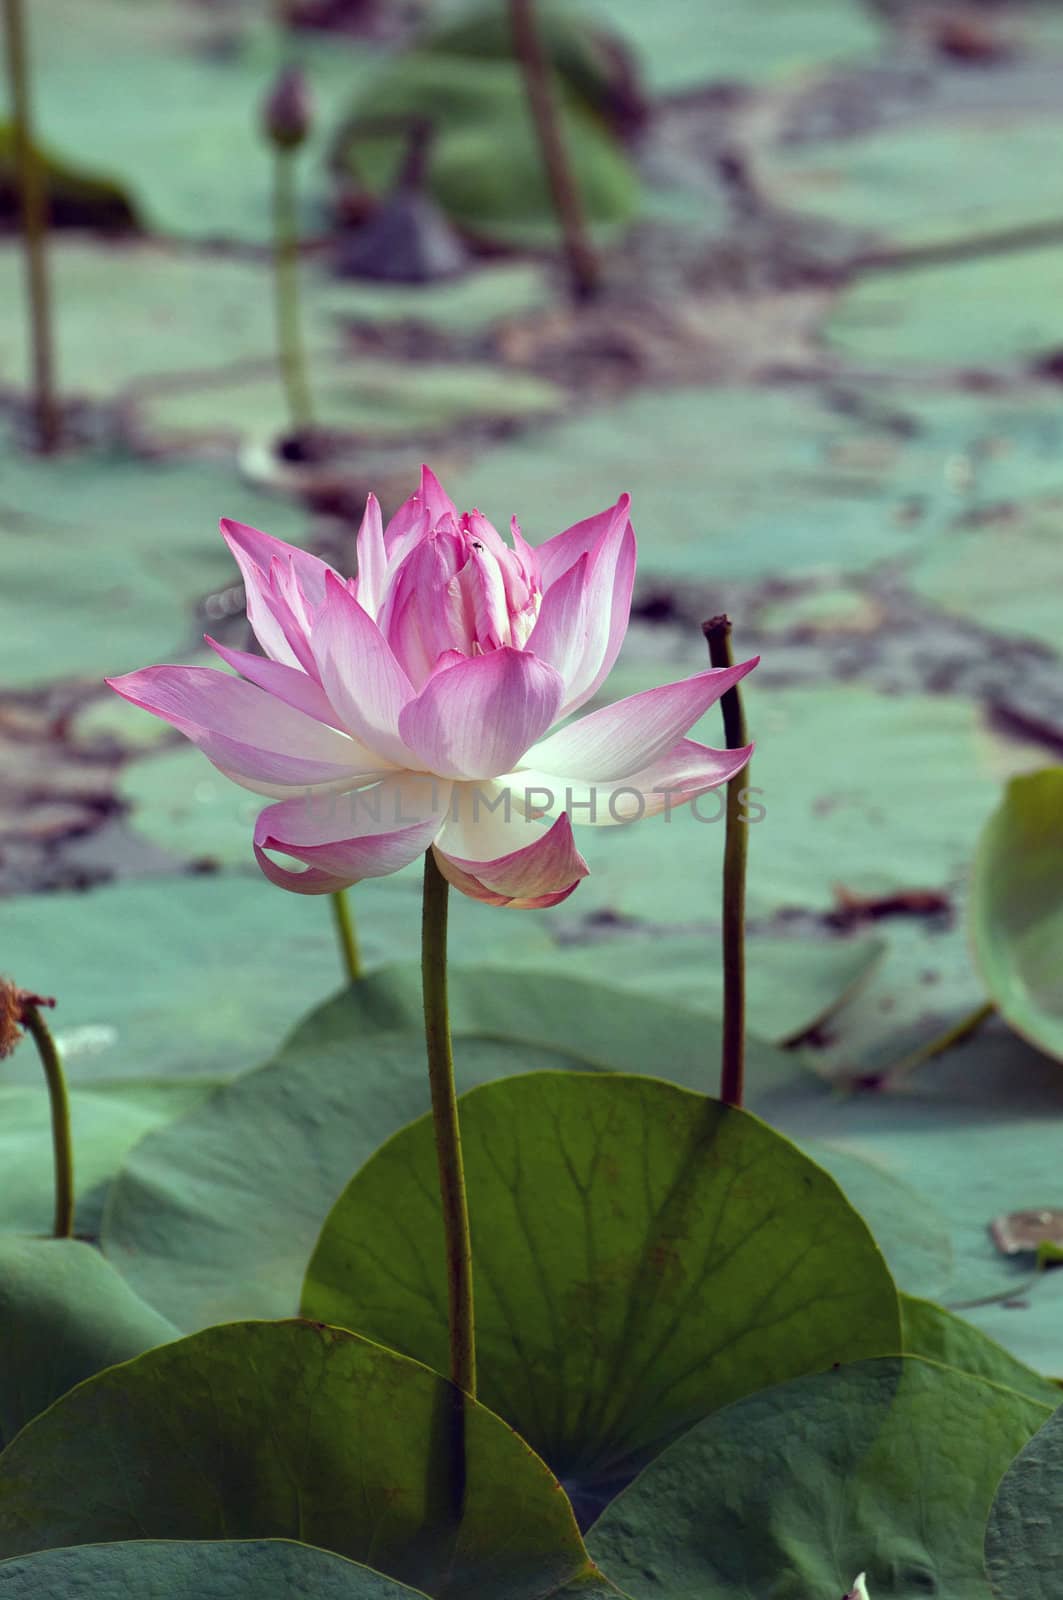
<point>643,1257</point>
<point>107,1119</point>
<point>266,1569</point>
<point>66,1314</point>
<point>912,1234</point>
<point>884,1467</point>
<point>977,1131</point>
<point>1017,908</point>
<point>77,198</point>
<point>379,400</point>
<point>289,1430</point>
<point>476,301</point>
<point>1022,1546</point>
<point>169,100</point>
<point>921,183</point>
<point>135,544</point>
<point>1001,573</point>
<point>205,975</point>
<point>994,310</point>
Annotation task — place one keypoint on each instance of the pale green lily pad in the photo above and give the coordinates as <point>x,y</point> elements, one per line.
<point>913,1235</point>
<point>1017,908</point>
<point>884,1467</point>
<point>158,1569</point>
<point>977,1131</point>
<point>103,558</point>
<point>376,399</point>
<point>923,183</point>
<point>350,1451</point>
<point>66,1314</point>
<point>747,483</point>
<point>1024,1537</point>
<point>994,310</point>
<point>179,1222</point>
<point>205,975</point>
<point>835,769</point>
<point>1001,573</point>
<point>476,301</point>
<point>168,99</point>
<point>107,1119</point>
<point>686,1255</point>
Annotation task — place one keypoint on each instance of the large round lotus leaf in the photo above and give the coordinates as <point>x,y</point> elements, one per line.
<point>978,1132</point>
<point>798,485</point>
<point>107,1119</point>
<point>137,546</point>
<point>77,198</point>
<point>1017,908</point>
<point>681,44</point>
<point>157,1569</point>
<point>913,184</point>
<point>204,975</point>
<point>218,1220</point>
<point>989,311</point>
<point>832,775</point>
<point>291,1430</point>
<point>885,1467</point>
<point>642,1257</point>
<point>1024,1537</point>
<point>383,400</point>
<point>485,166</point>
<point>168,99</point>
<point>939,1335</point>
<point>65,1314</point>
<point>1000,573</point>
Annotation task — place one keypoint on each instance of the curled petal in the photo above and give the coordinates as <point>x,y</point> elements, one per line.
<point>269,612</point>
<point>308,880</point>
<point>489,850</point>
<point>631,734</point>
<point>290,684</point>
<point>685,772</point>
<point>259,741</point>
<point>363,833</point>
<point>360,674</point>
<point>477,718</point>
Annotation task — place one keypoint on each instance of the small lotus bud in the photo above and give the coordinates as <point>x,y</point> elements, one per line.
<point>288,109</point>
<point>10,1017</point>
<point>858,1590</point>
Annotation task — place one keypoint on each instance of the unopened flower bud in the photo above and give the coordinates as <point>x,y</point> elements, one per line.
<point>288,109</point>
<point>858,1590</point>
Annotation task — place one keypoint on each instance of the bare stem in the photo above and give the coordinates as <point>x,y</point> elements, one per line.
<point>584,268</point>
<point>346,935</point>
<point>447,1130</point>
<point>30,178</point>
<point>62,1145</point>
<point>286,290</point>
<point>717,633</point>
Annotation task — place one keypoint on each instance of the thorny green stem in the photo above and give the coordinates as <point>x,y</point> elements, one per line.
<point>286,290</point>
<point>62,1145</point>
<point>584,268</point>
<point>30,178</point>
<point>346,935</point>
<point>717,633</point>
<point>447,1130</point>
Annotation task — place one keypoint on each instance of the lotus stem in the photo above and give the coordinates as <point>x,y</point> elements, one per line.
<point>346,935</point>
<point>62,1144</point>
<point>584,267</point>
<point>455,1206</point>
<point>30,179</point>
<point>960,1030</point>
<point>286,290</point>
<point>717,633</point>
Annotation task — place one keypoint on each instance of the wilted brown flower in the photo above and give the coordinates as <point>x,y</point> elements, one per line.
<point>10,1017</point>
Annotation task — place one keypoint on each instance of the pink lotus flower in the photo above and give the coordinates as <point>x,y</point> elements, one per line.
<point>411,707</point>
